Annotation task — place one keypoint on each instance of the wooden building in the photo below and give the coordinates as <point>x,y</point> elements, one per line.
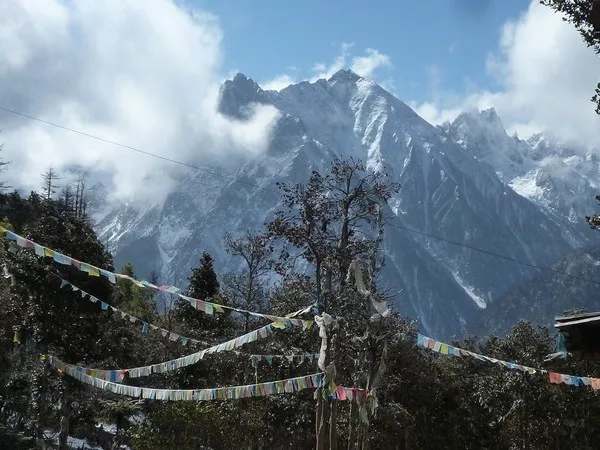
<point>581,335</point>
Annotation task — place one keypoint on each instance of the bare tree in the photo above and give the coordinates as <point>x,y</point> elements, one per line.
<point>247,285</point>
<point>67,199</point>
<point>3,164</point>
<point>49,186</point>
<point>81,198</point>
<point>334,221</point>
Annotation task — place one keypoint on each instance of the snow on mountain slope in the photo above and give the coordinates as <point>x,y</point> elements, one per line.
<point>560,179</point>
<point>450,189</point>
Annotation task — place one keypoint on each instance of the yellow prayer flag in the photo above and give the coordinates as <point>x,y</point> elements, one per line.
<point>218,308</point>
<point>94,271</point>
<point>332,386</point>
<point>49,252</point>
<point>278,323</point>
<point>444,349</point>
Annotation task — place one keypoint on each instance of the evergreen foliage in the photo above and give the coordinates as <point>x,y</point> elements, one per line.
<point>426,400</point>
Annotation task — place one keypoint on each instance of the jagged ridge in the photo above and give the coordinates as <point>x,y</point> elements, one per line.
<point>452,187</point>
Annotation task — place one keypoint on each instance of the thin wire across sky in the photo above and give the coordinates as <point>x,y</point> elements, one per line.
<point>205,170</point>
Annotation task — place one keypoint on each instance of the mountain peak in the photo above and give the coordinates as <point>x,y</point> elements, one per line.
<point>241,81</point>
<point>235,95</point>
<point>487,118</point>
<point>345,75</point>
<point>491,116</point>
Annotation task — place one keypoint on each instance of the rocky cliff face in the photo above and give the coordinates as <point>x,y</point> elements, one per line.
<point>466,182</point>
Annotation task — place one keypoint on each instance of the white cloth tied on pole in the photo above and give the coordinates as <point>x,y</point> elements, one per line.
<point>355,270</point>
<point>323,322</point>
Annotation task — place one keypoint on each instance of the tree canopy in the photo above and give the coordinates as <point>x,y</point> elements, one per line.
<point>325,249</point>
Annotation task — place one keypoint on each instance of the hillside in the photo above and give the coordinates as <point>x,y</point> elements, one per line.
<point>450,189</point>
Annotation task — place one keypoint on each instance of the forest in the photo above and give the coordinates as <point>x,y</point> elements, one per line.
<point>378,383</point>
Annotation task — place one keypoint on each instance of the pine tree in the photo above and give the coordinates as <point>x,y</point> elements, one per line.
<point>203,285</point>
<point>138,301</point>
<point>48,318</point>
<point>203,280</point>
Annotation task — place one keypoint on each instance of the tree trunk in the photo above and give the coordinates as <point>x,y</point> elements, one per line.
<point>365,439</point>
<point>249,294</point>
<point>322,432</point>
<point>65,416</point>
<point>359,433</point>
<point>333,425</point>
<point>350,428</point>
<point>364,428</point>
<point>334,403</point>
<point>36,411</point>
<point>318,276</point>
<point>318,414</point>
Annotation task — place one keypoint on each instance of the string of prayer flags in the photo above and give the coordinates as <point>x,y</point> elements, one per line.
<point>299,358</point>
<point>145,325</point>
<point>447,349</point>
<point>349,394</point>
<point>573,380</point>
<point>200,305</point>
<point>553,377</point>
<point>117,375</point>
<point>290,385</point>
<point>287,386</point>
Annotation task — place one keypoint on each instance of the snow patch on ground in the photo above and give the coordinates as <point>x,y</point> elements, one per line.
<point>526,185</point>
<point>470,291</point>
<point>73,443</point>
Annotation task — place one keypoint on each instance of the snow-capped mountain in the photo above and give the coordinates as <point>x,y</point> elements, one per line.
<point>561,179</point>
<point>465,182</point>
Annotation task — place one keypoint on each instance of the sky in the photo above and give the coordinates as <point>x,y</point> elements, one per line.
<point>421,42</point>
<point>146,73</point>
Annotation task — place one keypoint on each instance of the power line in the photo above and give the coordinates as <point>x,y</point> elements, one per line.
<point>211,172</point>
<point>497,255</point>
<point>129,147</point>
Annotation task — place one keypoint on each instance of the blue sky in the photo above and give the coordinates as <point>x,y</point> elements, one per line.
<point>428,41</point>
<point>147,73</point>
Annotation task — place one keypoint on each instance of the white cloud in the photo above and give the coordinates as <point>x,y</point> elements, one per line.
<point>145,73</point>
<point>321,70</point>
<point>368,66</point>
<point>278,83</point>
<point>546,76</point>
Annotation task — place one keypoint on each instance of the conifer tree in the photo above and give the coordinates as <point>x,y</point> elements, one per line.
<point>203,280</point>
<point>203,285</point>
<point>138,301</point>
<point>48,318</point>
